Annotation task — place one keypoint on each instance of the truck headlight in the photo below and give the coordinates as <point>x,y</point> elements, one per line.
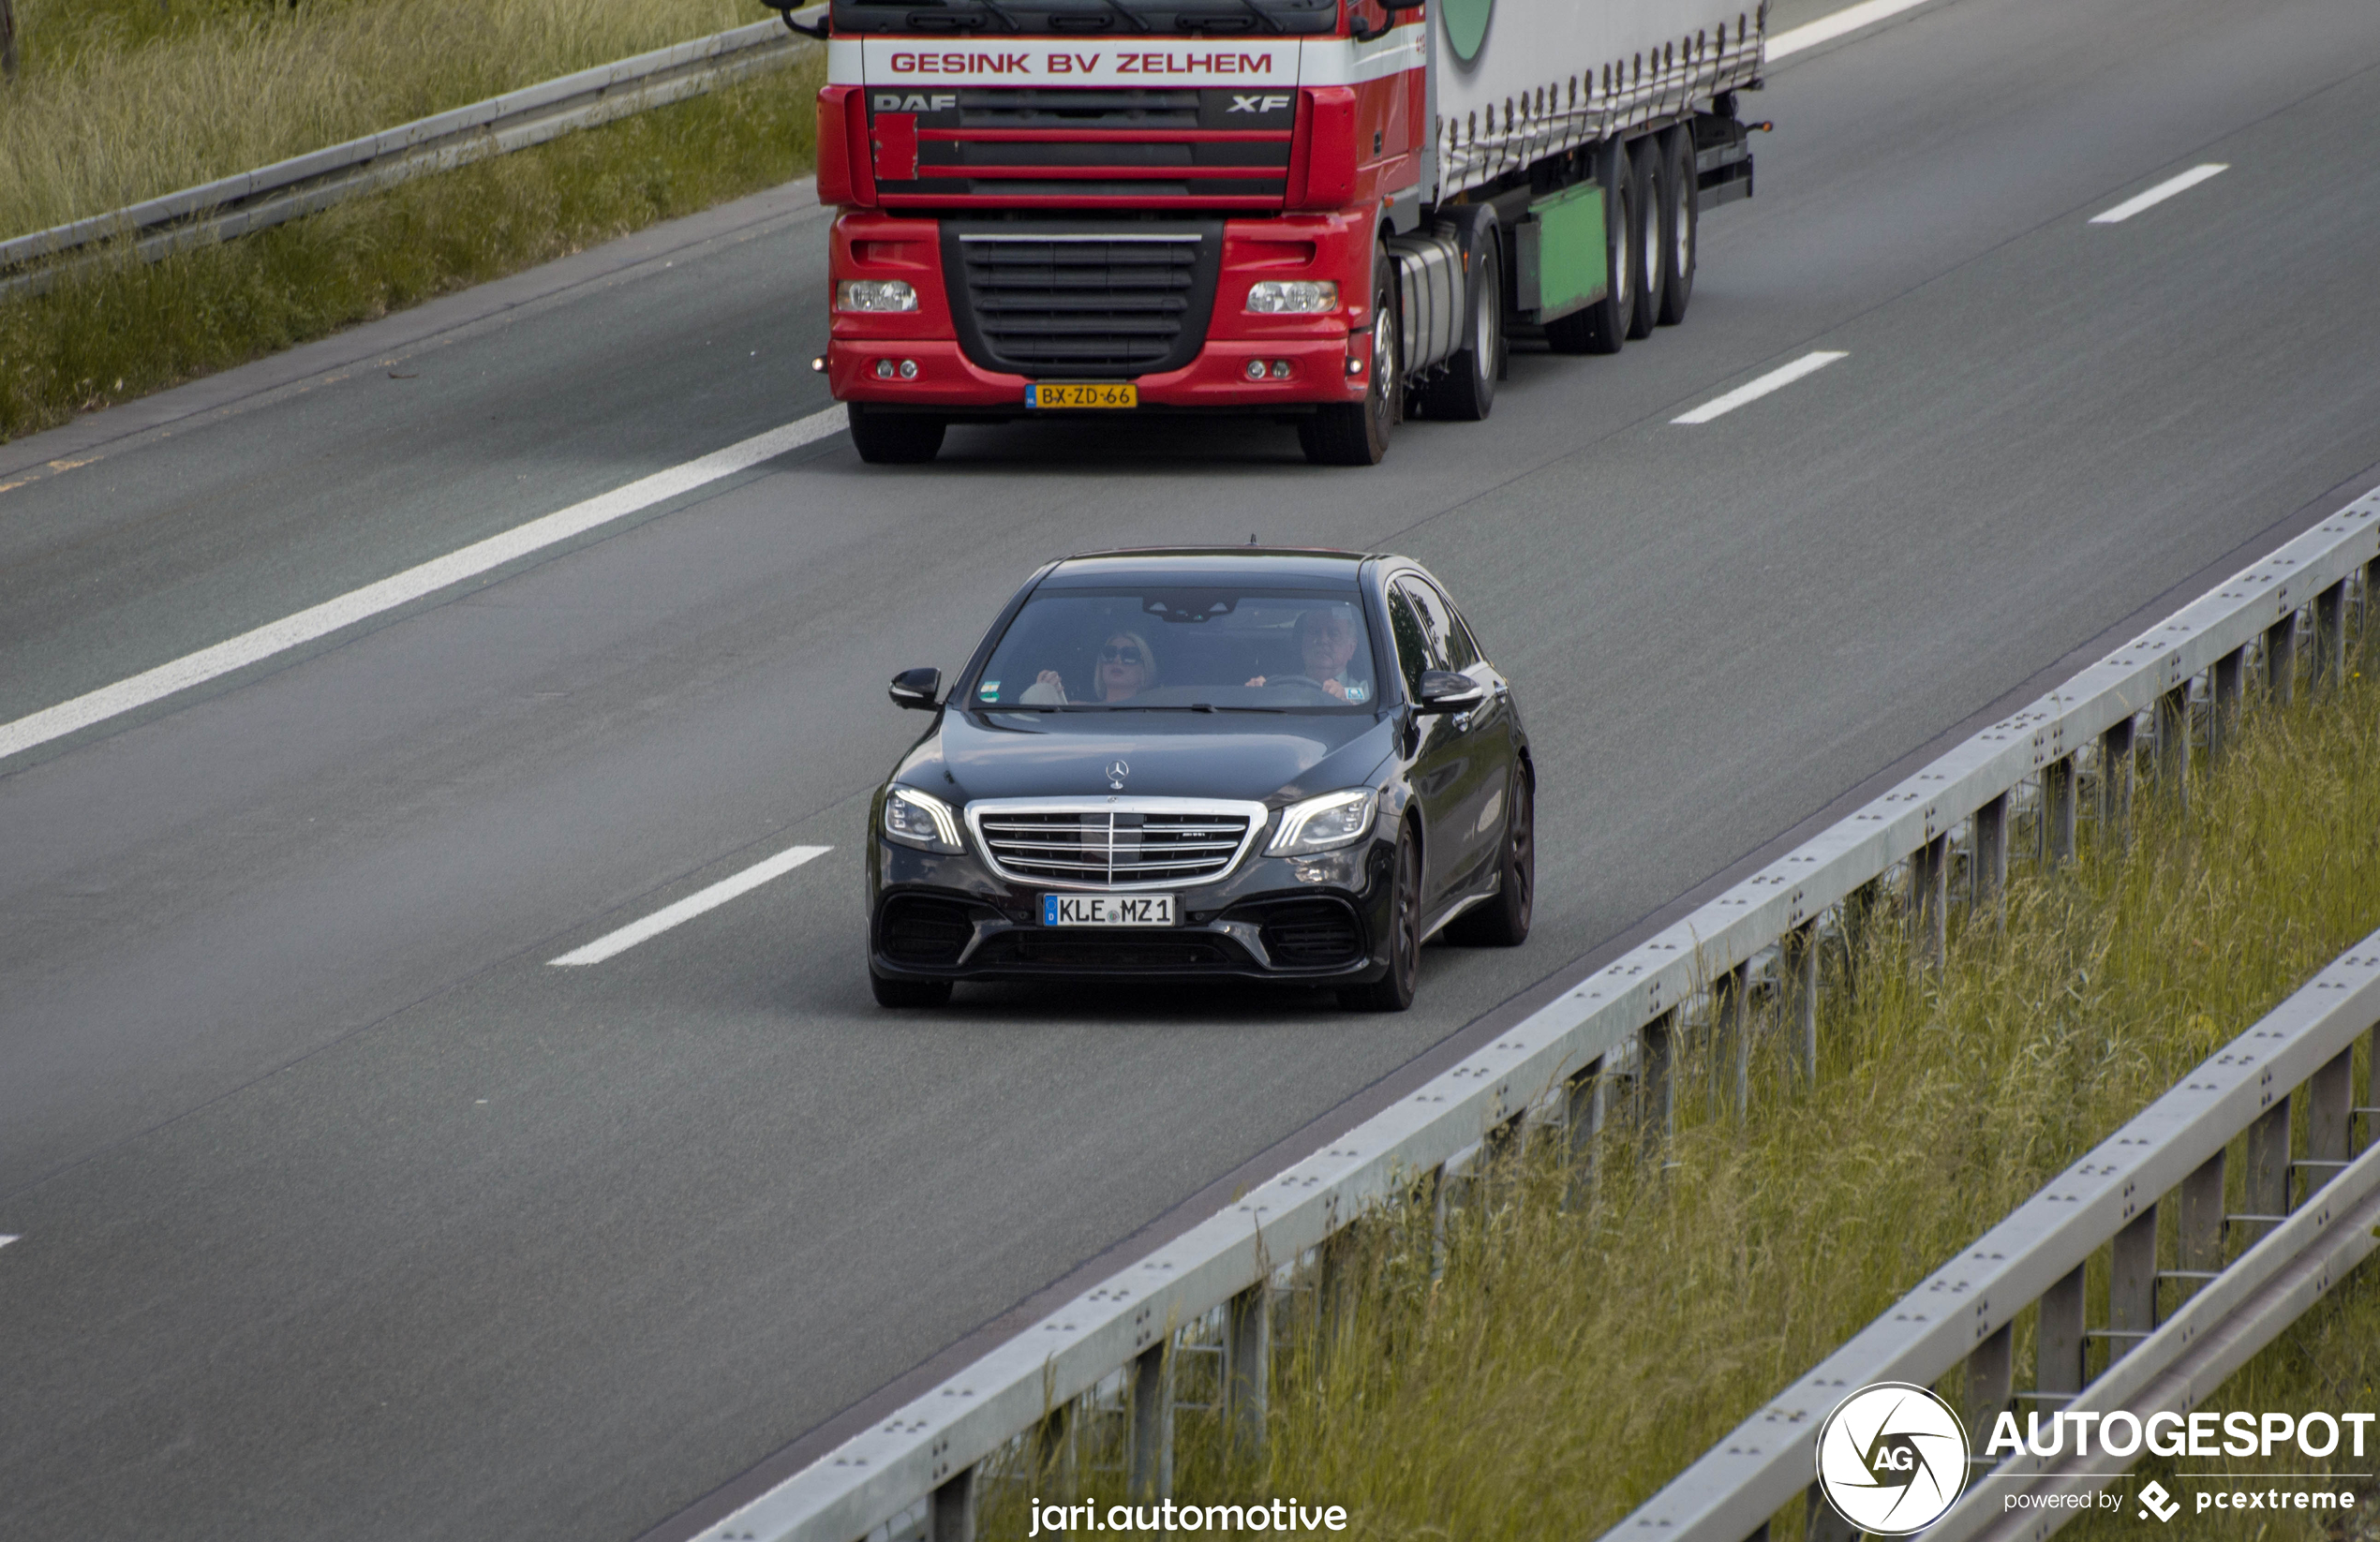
<point>874,295</point>
<point>1324,824</point>
<point>920,819</point>
<point>1292,296</point>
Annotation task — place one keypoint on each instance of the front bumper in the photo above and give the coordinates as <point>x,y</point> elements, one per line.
<point>1319,920</point>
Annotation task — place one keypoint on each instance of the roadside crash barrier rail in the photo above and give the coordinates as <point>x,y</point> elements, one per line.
<point>1209,1295</point>
<point>304,184</point>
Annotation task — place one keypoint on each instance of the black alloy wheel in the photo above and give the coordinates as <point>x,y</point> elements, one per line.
<point>1502,919</point>
<point>1465,391</point>
<point>1648,169</point>
<point>894,439</point>
<point>1680,226</point>
<point>1603,326</point>
<point>1393,991</point>
<point>1357,433</point>
<point>905,993</point>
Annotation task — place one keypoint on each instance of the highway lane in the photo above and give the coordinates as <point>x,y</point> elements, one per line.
<point>283,1268</point>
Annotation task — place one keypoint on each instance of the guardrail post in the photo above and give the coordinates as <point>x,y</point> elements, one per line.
<point>2058,810</point>
<point>1053,1449</point>
<point>2201,1236</point>
<point>1991,1374</point>
<point>1248,1376</point>
<point>1929,896</point>
<point>2173,743</point>
<point>2115,782</point>
<point>1991,858</point>
<point>1800,959</point>
<point>2266,1181</point>
<point>1584,1103</point>
<point>1735,1015</point>
<point>2222,685</point>
<point>950,1517</point>
<point>2132,1285</point>
<point>2281,660</point>
<point>1150,1470</point>
<point>2330,1102</point>
<point>2330,637</point>
<point>1657,1078</point>
<point>2057,1342</point>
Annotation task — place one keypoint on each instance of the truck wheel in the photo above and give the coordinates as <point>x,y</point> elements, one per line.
<point>1648,168</point>
<point>1679,231</point>
<point>894,439</point>
<point>1467,389</point>
<point>1603,327</point>
<point>1357,433</point>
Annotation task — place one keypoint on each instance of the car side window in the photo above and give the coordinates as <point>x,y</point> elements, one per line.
<point>1412,639</point>
<point>1449,648</point>
<point>1462,651</point>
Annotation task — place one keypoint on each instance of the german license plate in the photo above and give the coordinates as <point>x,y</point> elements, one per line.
<point>1083,393</point>
<point>1107,910</point>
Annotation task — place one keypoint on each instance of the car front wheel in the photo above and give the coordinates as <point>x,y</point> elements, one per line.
<point>1393,991</point>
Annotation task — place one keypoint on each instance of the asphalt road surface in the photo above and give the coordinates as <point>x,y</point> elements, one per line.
<point>339,1210</point>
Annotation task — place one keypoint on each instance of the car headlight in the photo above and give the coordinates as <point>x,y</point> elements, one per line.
<point>878,294</point>
<point>1292,296</point>
<point>917,819</point>
<point>1324,824</point>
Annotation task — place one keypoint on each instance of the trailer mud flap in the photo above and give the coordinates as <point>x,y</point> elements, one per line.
<point>1558,254</point>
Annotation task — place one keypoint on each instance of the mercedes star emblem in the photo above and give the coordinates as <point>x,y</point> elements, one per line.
<point>1117,771</point>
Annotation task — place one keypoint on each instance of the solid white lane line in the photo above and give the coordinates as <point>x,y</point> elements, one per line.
<point>413,583</point>
<point>1808,363</point>
<point>6,1241</point>
<point>2158,194</point>
<point>691,906</point>
<point>1827,28</point>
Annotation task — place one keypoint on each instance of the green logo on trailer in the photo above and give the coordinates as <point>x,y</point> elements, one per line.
<point>1466,26</point>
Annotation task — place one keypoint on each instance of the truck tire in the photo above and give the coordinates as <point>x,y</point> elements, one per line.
<point>1357,433</point>
<point>1648,168</point>
<point>1680,230</point>
<point>894,439</point>
<point>1467,389</point>
<point>1603,327</point>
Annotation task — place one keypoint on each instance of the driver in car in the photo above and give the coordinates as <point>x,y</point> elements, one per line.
<point>1326,640</point>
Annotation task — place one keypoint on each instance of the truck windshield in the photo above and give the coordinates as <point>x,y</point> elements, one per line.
<point>1063,17</point>
<point>1220,650</point>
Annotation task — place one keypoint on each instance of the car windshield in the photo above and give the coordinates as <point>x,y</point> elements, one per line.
<point>1204,649</point>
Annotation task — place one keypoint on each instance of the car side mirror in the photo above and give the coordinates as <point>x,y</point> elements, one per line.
<point>1445,690</point>
<point>918,689</point>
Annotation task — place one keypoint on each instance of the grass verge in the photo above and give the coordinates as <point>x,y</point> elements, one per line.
<point>119,331</point>
<point>1547,1366</point>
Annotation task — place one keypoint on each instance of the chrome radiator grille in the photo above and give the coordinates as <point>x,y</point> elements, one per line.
<point>1131,843</point>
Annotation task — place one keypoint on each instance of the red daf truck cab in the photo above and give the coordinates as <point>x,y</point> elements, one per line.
<point>1082,207</point>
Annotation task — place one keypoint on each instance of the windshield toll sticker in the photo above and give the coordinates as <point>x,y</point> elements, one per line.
<point>890,60</point>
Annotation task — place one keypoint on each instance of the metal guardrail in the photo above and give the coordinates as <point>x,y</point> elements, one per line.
<point>919,1465</point>
<point>304,184</point>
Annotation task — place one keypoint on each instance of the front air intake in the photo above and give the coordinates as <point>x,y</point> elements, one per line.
<point>1082,304</point>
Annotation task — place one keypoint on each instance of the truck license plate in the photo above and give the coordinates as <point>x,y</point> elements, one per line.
<point>1083,393</point>
<point>1107,910</point>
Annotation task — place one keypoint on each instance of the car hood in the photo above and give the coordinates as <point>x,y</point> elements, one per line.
<point>1255,757</point>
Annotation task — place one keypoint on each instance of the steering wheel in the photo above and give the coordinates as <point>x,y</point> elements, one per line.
<point>1295,680</point>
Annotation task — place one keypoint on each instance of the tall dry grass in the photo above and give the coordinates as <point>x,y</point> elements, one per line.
<point>1547,1364</point>
<point>119,101</point>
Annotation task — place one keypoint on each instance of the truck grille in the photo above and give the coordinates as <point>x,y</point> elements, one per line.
<point>1080,301</point>
<point>1007,144</point>
<point>1133,843</point>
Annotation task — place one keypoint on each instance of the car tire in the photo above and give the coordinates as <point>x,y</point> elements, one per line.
<point>1465,390</point>
<point>894,439</point>
<point>908,993</point>
<point>1502,919</point>
<point>1393,991</point>
<point>1681,230</point>
<point>1648,169</point>
<point>1603,326</point>
<point>1357,433</point>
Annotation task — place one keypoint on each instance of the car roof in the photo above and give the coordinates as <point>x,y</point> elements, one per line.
<point>1265,567</point>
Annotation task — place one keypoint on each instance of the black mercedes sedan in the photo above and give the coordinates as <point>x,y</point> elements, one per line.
<point>1223,763</point>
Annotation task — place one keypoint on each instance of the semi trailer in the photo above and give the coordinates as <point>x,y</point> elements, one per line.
<point>1327,213</point>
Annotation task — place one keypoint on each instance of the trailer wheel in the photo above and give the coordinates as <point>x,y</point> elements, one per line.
<point>1603,327</point>
<point>1467,389</point>
<point>1357,433</point>
<point>1648,169</point>
<point>1679,227</point>
<point>894,439</point>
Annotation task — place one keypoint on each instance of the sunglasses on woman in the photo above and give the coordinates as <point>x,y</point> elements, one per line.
<point>1114,655</point>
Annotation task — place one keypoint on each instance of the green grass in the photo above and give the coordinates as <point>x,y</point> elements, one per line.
<point>124,99</point>
<point>1549,1366</point>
